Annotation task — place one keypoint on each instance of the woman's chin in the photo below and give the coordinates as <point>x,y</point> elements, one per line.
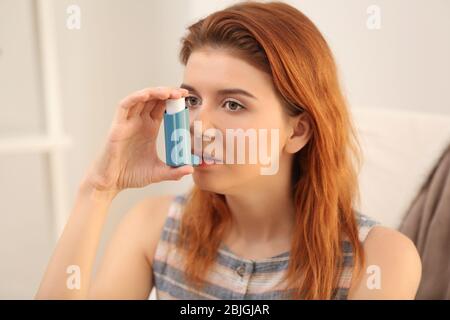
<point>207,181</point>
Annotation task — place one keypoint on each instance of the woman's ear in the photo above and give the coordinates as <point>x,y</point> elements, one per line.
<point>301,131</point>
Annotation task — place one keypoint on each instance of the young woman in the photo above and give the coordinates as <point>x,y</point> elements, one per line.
<point>238,234</point>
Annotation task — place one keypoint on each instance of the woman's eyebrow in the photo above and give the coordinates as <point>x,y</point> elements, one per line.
<point>222,91</point>
<point>236,91</point>
<point>189,88</point>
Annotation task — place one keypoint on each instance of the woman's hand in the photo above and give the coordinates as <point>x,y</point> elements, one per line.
<point>129,159</point>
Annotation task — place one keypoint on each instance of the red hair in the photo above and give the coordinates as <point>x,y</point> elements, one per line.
<point>281,41</point>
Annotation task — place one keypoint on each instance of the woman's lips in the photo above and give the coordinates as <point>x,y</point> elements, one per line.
<point>204,165</point>
<point>207,161</point>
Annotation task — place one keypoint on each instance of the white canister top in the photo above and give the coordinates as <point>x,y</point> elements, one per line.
<point>175,105</point>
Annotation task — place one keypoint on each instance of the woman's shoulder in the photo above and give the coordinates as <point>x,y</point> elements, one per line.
<point>148,217</point>
<point>392,268</point>
<point>376,237</point>
<point>390,247</point>
<point>153,208</point>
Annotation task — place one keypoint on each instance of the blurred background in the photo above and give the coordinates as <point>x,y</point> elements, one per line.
<point>60,85</point>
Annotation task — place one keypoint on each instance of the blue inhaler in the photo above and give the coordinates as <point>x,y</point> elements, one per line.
<point>177,134</point>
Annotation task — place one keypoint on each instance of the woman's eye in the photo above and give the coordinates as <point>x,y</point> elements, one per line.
<point>192,101</point>
<point>233,106</point>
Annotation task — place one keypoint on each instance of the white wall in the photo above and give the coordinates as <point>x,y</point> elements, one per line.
<point>124,46</point>
<point>25,222</point>
<point>405,64</point>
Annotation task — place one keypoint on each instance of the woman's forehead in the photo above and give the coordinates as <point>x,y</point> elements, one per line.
<point>216,69</point>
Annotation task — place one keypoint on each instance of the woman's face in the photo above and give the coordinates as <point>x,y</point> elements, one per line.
<point>225,94</point>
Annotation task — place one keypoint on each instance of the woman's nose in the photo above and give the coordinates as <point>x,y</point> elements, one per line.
<point>202,117</point>
<point>202,127</point>
<point>200,112</point>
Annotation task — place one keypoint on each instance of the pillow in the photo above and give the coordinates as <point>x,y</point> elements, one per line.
<point>399,150</point>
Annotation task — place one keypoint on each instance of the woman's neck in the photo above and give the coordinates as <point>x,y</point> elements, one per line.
<point>265,212</point>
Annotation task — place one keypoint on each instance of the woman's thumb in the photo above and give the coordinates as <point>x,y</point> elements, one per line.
<point>166,172</point>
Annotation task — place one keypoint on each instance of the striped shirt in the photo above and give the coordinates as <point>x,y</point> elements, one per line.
<point>231,276</point>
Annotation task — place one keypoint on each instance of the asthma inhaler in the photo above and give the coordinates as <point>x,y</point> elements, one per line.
<point>177,134</point>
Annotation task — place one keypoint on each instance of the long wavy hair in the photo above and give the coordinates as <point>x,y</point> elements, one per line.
<point>281,41</point>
